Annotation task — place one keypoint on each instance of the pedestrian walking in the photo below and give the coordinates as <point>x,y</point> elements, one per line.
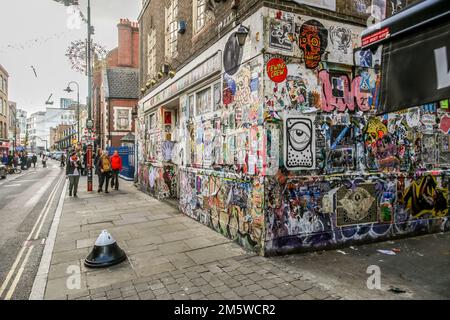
<point>44,161</point>
<point>5,158</point>
<point>104,165</point>
<point>97,169</point>
<point>34,160</point>
<point>85,164</point>
<point>23,161</point>
<point>116,166</point>
<point>63,160</point>
<point>73,171</point>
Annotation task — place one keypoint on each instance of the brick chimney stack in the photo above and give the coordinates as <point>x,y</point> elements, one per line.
<point>128,50</point>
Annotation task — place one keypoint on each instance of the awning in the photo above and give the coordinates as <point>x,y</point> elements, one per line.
<point>416,55</point>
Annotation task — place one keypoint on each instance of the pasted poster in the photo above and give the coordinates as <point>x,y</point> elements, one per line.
<point>357,205</point>
<point>122,118</point>
<point>313,41</point>
<point>299,142</point>
<point>279,36</point>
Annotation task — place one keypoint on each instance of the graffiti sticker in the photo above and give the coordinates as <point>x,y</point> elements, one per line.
<point>313,41</point>
<point>277,70</point>
<point>357,205</point>
<point>279,37</point>
<point>299,149</point>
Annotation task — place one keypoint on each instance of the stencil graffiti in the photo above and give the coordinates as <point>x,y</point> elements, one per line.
<point>299,142</point>
<point>341,38</point>
<point>232,55</point>
<point>280,34</point>
<point>313,41</point>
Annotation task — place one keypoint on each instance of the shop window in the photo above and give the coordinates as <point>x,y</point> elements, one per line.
<point>191,106</point>
<point>152,121</point>
<point>203,102</point>
<point>171,29</point>
<point>151,53</point>
<point>217,96</point>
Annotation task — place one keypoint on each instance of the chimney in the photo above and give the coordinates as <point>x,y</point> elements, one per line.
<point>135,47</point>
<point>125,55</point>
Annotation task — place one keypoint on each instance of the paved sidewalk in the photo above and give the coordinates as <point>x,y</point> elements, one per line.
<point>170,256</point>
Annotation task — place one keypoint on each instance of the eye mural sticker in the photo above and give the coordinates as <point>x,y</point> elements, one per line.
<point>299,144</point>
<point>313,41</point>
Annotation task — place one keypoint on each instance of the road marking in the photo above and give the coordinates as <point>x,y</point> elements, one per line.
<point>12,185</point>
<point>18,275</point>
<point>38,195</point>
<point>52,196</point>
<point>19,256</point>
<point>40,282</point>
<point>43,209</point>
<point>11,272</point>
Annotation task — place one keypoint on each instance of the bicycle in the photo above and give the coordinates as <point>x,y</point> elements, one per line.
<point>13,170</point>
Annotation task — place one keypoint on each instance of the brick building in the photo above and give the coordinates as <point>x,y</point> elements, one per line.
<point>4,111</point>
<point>116,87</point>
<point>259,118</point>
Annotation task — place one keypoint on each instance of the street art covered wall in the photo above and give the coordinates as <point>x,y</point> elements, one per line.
<point>284,152</point>
<point>345,175</point>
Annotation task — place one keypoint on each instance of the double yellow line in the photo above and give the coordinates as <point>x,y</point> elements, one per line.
<point>33,235</point>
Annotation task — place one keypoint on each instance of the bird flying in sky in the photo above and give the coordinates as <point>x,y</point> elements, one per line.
<point>34,70</point>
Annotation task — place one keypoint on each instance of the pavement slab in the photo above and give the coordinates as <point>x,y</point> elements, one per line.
<point>170,256</point>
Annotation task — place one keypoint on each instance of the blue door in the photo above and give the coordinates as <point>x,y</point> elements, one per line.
<point>127,156</point>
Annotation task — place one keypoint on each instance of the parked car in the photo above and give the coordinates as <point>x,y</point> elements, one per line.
<point>58,155</point>
<point>3,171</point>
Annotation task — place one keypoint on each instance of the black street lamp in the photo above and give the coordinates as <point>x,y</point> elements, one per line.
<point>69,90</point>
<point>90,31</point>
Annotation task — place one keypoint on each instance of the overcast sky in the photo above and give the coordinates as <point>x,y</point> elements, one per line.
<point>36,33</point>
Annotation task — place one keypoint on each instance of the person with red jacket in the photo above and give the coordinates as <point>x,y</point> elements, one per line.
<point>116,166</point>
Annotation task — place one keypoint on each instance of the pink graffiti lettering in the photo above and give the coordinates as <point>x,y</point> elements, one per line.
<point>338,93</point>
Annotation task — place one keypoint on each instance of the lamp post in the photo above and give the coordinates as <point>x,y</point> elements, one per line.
<point>90,31</point>
<point>69,90</point>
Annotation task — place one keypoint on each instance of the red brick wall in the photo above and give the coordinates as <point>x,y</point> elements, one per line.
<point>125,58</point>
<point>130,103</point>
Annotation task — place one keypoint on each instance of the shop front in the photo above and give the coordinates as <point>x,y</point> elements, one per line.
<point>281,149</point>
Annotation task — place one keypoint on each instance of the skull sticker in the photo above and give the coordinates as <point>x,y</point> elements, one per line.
<point>313,41</point>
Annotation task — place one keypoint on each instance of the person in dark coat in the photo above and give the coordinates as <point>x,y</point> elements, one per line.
<point>23,161</point>
<point>34,160</point>
<point>73,172</point>
<point>97,171</point>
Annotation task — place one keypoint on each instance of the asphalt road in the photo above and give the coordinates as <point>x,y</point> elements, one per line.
<point>27,205</point>
<point>418,270</point>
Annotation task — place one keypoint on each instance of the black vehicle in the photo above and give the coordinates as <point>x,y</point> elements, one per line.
<point>3,171</point>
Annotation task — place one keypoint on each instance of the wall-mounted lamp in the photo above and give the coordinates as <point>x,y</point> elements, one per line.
<point>165,68</point>
<point>242,34</point>
<point>182,26</point>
